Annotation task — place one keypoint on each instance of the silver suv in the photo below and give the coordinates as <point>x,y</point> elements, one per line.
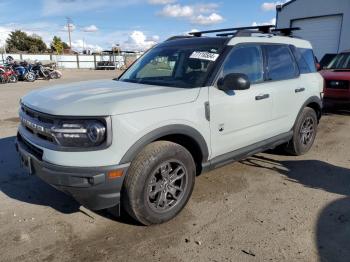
<point>186,106</point>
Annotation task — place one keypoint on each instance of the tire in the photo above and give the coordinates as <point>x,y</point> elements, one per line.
<point>304,133</point>
<point>13,79</point>
<point>53,75</point>
<point>30,77</point>
<point>149,195</point>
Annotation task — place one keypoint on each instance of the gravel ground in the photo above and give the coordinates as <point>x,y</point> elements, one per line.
<point>268,207</point>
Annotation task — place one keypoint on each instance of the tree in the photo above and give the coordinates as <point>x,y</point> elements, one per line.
<point>17,41</point>
<point>36,44</point>
<point>65,46</point>
<point>58,46</point>
<point>20,41</point>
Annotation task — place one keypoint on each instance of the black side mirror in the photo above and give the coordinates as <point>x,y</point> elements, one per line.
<point>234,81</point>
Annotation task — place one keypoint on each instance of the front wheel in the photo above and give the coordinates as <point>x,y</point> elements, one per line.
<point>304,133</point>
<point>159,183</point>
<point>13,79</point>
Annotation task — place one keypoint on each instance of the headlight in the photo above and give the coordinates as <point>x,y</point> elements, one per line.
<point>80,133</point>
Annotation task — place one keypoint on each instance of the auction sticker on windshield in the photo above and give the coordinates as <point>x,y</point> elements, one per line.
<point>204,56</point>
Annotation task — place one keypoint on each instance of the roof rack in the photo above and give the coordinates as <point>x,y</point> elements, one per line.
<point>249,30</point>
<point>175,37</point>
<point>286,31</point>
<point>262,29</point>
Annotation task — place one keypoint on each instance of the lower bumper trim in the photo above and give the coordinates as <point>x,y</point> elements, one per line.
<point>90,186</point>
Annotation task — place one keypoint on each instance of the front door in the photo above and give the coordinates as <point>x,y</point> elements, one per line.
<point>242,117</point>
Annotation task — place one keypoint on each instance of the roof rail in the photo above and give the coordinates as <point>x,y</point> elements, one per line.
<point>239,33</point>
<point>261,28</point>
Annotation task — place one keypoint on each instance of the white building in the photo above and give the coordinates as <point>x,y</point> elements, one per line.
<point>325,23</point>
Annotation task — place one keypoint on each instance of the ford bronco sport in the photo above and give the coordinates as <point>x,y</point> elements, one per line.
<point>188,105</point>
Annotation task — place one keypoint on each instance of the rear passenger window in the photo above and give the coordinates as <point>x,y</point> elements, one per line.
<point>246,60</point>
<point>280,63</point>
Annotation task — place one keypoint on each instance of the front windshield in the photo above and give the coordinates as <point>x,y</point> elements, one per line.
<point>184,67</point>
<point>341,61</point>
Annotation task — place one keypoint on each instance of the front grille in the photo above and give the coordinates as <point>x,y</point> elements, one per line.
<point>37,152</point>
<point>37,123</point>
<point>338,84</point>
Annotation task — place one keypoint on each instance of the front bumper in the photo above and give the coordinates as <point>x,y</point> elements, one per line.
<point>90,186</point>
<point>331,101</point>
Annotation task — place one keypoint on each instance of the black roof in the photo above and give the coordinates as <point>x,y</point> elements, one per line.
<point>195,41</point>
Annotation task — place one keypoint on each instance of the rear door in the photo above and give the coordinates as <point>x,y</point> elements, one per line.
<point>282,74</point>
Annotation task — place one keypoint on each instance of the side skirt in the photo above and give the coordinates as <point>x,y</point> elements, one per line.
<point>245,152</point>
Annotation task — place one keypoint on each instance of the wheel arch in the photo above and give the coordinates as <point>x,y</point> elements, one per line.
<point>313,102</point>
<point>186,136</point>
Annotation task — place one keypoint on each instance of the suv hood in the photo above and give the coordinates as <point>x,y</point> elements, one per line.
<point>336,74</point>
<point>105,97</point>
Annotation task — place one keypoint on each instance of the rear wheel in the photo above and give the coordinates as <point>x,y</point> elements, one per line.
<point>159,183</point>
<point>304,133</point>
<point>30,77</point>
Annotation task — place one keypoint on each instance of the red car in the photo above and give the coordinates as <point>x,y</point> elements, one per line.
<point>337,80</point>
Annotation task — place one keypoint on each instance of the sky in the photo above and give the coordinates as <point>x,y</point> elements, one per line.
<point>131,24</point>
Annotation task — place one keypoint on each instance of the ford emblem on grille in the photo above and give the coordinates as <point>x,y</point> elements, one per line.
<point>32,125</point>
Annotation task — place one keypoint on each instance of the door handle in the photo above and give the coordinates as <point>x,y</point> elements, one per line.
<point>298,90</point>
<point>261,97</point>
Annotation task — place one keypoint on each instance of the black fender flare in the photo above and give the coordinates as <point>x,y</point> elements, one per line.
<point>176,129</point>
<point>313,99</point>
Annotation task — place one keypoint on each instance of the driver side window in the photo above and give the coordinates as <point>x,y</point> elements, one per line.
<point>246,60</point>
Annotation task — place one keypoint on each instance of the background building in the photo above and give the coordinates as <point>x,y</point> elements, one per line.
<point>325,23</point>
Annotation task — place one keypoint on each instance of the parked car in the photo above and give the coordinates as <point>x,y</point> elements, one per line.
<point>187,106</point>
<point>337,80</point>
<point>326,59</point>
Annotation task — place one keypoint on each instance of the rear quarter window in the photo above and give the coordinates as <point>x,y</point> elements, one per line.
<point>305,59</point>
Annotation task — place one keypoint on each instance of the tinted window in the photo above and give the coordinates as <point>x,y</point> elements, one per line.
<point>302,64</point>
<point>174,66</point>
<point>246,60</point>
<point>280,62</point>
<point>341,61</point>
<point>309,58</point>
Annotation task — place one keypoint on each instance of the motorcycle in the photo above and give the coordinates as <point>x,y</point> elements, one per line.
<point>41,72</point>
<point>55,74</point>
<point>7,75</point>
<point>24,71</point>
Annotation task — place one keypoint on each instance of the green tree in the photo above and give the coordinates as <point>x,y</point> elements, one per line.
<point>20,41</point>
<point>65,46</point>
<point>36,44</point>
<point>17,41</point>
<point>57,45</point>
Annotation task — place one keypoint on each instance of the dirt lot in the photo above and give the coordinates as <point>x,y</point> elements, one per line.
<point>266,208</point>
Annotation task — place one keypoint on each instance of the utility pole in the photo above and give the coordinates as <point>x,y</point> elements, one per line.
<point>69,24</point>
